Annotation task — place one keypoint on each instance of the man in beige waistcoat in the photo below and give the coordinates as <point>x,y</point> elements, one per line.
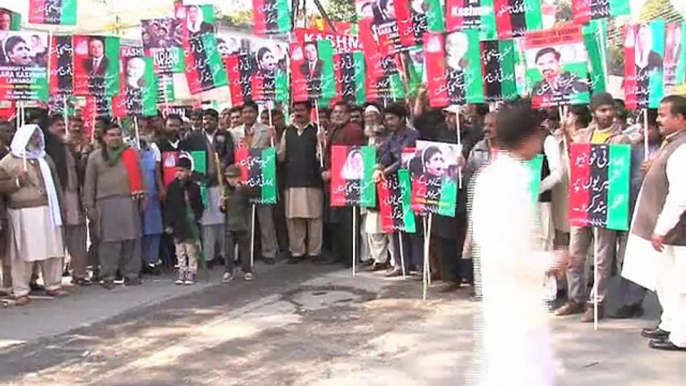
<point>657,242</point>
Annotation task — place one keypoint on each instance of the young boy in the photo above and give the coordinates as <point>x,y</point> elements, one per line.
<point>236,206</point>
<point>182,212</point>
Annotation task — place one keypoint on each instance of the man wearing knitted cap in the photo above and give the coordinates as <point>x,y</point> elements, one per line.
<point>603,130</point>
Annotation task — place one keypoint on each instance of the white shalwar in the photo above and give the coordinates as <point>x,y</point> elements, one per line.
<point>516,331</point>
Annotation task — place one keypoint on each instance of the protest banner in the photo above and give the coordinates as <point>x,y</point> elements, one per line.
<point>644,51</point>
<point>675,57</point>
<point>395,203</point>
<point>378,26</point>
<point>557,67</point>
<point>96,65</point>
<point>387,85</point>
<point>95,107</point>
<point>414,68</point>
<point>54,12</point>
<point>498,66</point>
<point>163,41</point>
<point>193,21</point>
<point>258,172</point>
<point>312,71</point>
<point>453,66</point>
<point>204,67</point>
<point>351,176</point>
<point>434,173</point>
<point>599,186</point>
<point>467,15</point>
<point>584,11</point>
<point>513,18</point>
<point>595,39</point>
<point>416,17</point>
<point>271,17</point>
<point>169,160</point>
<point>349,71</point>
<point>24,74</point>
<point>138,84</point>
<point>342,44</point>
<point>61,63</point>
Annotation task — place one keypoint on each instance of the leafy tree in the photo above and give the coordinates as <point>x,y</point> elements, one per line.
<point>564,11</point>
<point>341,10</point>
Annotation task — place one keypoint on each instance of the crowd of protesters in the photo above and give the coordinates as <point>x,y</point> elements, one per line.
<point>109,209</point>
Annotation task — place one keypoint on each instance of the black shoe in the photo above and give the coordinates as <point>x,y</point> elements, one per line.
<point>66,273</point>
<point>664,345</point>
<point>35,287</point>
<point>95,277</point>
<point>628,312</point>
<point>397,271</point>
<point>108,285</point>
<point>376,267</point>
<point>83,282</point>
<point>118,276</point>
<point>449,287</point>
<point>269,260</point>
<point>294,260</point>
<point>654,334</point>
<point>132,281</point>
<point>367,263</point>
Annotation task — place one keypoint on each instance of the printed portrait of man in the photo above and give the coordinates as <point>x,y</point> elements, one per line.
<point>18,52</point>
<point>556,83</point>
<point>312,68</point>
<point>97,63</point>
<point>5,20</point>
<point>134,73</point>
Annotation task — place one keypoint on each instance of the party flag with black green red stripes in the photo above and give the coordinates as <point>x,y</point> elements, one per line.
<point>204,67</point>
<point>312,71</point>
<point>395,199</point>
<point>599,186</point>
<point>350,77</point>
<point>271,17</point>
<point>415,19</point>
<point>96,65</point>
<point>434,178</point>
<point>498,67</point>
<point>61,69</point>
<point>55,12</point>
<point>351,176</point>
<point>595,38</point>
<point>584,11</point>
<point>138,84</point>
<point>258,172</point>
<point>471,14</point>
<point>514,18</point>
<point>644,48</point>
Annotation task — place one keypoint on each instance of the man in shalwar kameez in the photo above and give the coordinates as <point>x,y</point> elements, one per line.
<point>516,332</point>
<point>29,180</point>
<point>655,256</point>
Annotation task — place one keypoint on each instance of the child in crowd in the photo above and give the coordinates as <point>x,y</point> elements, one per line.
<point>182,212</point>
<point>236,205</point>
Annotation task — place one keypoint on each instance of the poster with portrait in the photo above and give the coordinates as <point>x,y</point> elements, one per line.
<point>9,21</point>
<point>414,68</point>
<point>584,11</point>
<point>61,63</point>
<point>53,12</point>
<point>204,66</point>
<point>96,65</point>
<point>644,52</point>
<point>557,67</point>
<point>312,71</point>
<point>271,17</point>
<point>434,173</point>
<point>351,176</point>
<point>258,172</point>
<point>138,84</point>
<point>194,21</point>
<point>23,69</point>
<point>675,57</point>
<point>513,18</point>
<point>378,26</point>
<point>453,68</point>
<point>395,203</point>
<point>163,41</point>
<point>498,62</point>
<point>417,17</point>
<point>387,85</point>
<point>471,15</point>
<point>341,43</point>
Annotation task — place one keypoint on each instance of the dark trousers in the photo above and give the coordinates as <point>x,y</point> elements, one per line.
<point>632,293</point>
<point>453,267</point>
<point>242,239</point>
<point>342,235</point>
<point>280,223</point>
<point>413,249</point>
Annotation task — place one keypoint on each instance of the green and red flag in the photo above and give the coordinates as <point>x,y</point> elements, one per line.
<point>24,74</point>
<point>204,67</point>
<point>54,12</point>
<point>498,67</point>
<point>271,17</point>
<point>61,65</point>
<point>163,42</point>
<point>434,178</point>
<point>395,199</point>
<point>595,39</point>
<point>675,57</point>
<point>543,51</point>
<point>351,176</point>
<point>599,186</point>
<point>258,172</point>
<point>138,84</point>
<point>514,18</point>
<point>584,11</point>
<point>9,20</point>
<point>453,68</point>
<point>644,48</point>
<point>473,15</point>
<point>414,19</point>
<point>312,71</point>
<point>96,65</point>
